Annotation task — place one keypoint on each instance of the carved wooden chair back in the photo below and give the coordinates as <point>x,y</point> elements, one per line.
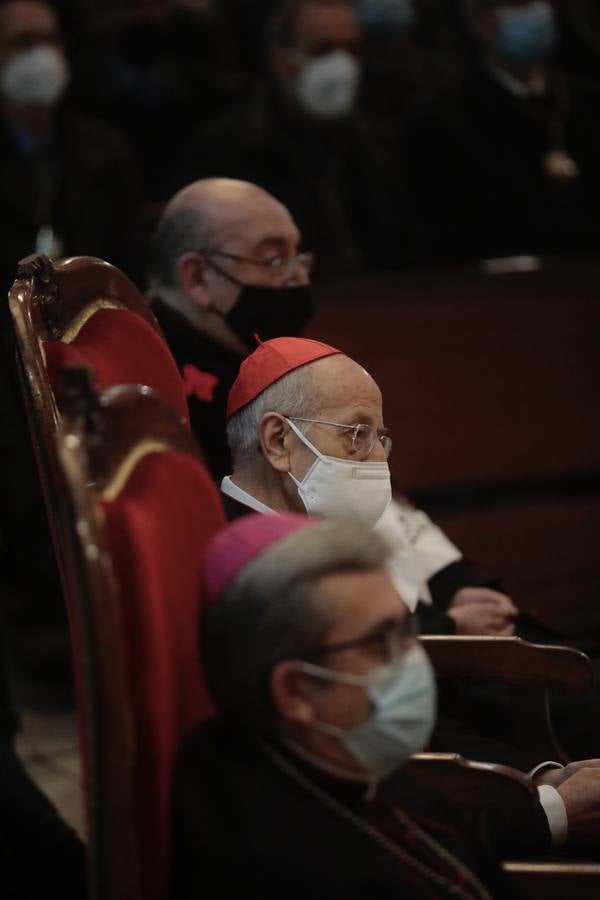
<point>529,670</point>
<point>137,509</point>
<point>82,310</point>
<point>476,791</point>
<point>481,793</point>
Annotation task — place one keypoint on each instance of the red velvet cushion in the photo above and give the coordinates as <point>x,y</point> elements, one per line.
<point>156,532</point>
<point>122,348</point>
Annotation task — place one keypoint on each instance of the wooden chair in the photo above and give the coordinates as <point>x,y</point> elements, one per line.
<point>479,792</point>
<point>529,670</point>
<point>137,509</point>
<point>475,790</point>
<point>83,311</point>
<point>555,880</point>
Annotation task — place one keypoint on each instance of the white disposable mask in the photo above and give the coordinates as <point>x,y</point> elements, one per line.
<point>326,87</point>
<point>360,491</point>
<point>37,76</point>
<point>403,696</point>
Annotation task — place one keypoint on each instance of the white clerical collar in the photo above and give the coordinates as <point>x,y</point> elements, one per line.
<point>535,88</point>
<point>233,490</point>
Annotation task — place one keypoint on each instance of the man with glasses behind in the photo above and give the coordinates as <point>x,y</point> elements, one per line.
<point>225,266</point>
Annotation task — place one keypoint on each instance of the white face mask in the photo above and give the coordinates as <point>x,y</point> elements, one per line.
<point>327,86</point>
<point>35,77</point>
<point>360,491</point>
<point>403,696</point>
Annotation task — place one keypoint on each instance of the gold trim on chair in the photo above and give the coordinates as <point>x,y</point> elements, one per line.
<point>77,323</point>
<point>118,481</point>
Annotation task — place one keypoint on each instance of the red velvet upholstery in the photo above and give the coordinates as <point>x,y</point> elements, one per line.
<point>122,348</point>
<point>156,530</point>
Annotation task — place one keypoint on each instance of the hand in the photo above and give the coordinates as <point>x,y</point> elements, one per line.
<point>556,776</point>
<point>467,595</point>
<point>581,795</point>
<point>482,611</point>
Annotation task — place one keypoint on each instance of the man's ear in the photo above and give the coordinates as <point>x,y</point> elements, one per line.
<point>273,437</point>
<point>191,277</point>
<point>291,694</point>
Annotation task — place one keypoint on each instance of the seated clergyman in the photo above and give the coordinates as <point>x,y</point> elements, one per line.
<point>306,431</point>
<point>322,691</point>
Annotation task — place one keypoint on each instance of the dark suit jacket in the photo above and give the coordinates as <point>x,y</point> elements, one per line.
<point>208,370</point>
<point>342,182</point>
<point>243,828</point>
<point>83,184</point>
<point>477,164</point>
<point>40,855</point>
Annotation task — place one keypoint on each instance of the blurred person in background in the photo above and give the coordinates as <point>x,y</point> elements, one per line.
<point>407,65</point>
<point>508,166</point>
<point>68,187</point>
<point>37,847</point>
<point>302,136</point>
<point>156,71</point>
<point>69,182</point>
<point>225,269</point>
<point>580,46</point>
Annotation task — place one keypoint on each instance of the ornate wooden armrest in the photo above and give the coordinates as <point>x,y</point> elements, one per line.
<point>529,670</point>
<point>555,881</point>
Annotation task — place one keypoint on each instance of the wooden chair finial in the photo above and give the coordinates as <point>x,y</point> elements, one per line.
<point>40,269</point>
<point>78,399</point>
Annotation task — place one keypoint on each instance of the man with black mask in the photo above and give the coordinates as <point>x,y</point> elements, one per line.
<point>224,267</point>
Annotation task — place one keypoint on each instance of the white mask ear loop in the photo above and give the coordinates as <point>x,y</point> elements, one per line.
<point>304,439</point>
<point>343,488</point>
<point>310,446</point>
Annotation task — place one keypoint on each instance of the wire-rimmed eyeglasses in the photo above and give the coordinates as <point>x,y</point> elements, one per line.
<point>363,437</point>
<point>279,264</point>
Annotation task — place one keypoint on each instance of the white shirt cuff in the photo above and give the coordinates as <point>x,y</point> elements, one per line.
<point>549,764</point>
<point>556,813</point>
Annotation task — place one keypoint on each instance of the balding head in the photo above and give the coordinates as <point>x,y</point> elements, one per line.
<point>218,214</point>
<point>229,206</point>
<point>216,236</point>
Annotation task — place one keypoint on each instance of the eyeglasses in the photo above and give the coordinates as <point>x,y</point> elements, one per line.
<point>363,437</point>
<point>281,265</point>
<point>387,641</point>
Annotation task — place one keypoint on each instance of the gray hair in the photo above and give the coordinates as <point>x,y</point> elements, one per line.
<point>296,394</point>
<point>178,232</point>
<point>271,613</point>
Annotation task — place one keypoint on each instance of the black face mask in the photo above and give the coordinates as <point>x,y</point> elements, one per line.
<point>270,312</point>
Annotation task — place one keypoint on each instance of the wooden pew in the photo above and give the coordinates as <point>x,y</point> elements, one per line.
<point>529,671</point>
<point>478,792</point>
<point>491,388</point>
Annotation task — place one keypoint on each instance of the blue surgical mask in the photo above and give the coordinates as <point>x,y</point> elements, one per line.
<point>403,697</point>
<point>384,15</point>
<point>526,34</point>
